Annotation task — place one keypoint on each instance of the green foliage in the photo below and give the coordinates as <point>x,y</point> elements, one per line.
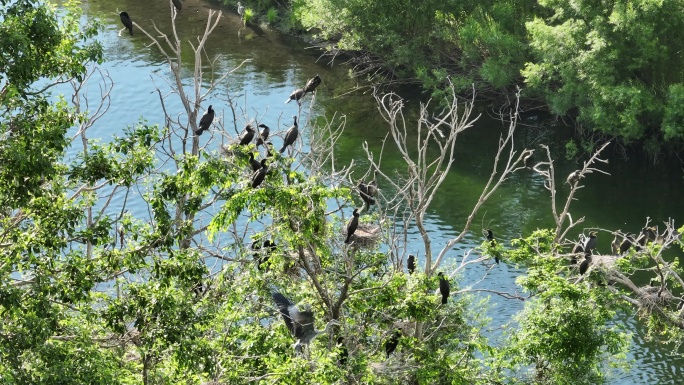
<point>272,16</point>
<point>248,16</point>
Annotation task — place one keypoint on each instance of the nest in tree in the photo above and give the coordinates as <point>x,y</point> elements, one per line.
<point>652,296</point>
<point>365,235</point>
<point>606,262</point>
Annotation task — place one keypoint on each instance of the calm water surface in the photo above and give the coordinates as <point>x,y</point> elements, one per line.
<point>278,64</point>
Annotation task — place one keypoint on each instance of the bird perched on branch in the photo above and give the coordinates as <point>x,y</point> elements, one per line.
<point>373,185</point>
<point>263,135</point>
<point>290,135</point>
<point>178,4</point>
<point>585,264</point>
<point>260,175</point>
<point>492,243</point>
<point>299,323</point>
<point>392,343</point>
<point>444,287</point>
<point>295,95</point>
<point>590,243</point>
<point>411,263</point>
<point>352,225</point>
<point>205,121</point>
<point>255,164</point>
<point>312,84</point>
<point>627,243</point>
<point>365,195</point>
<point>574,177</point>
<point>126,21</point>
<point>247,135</point>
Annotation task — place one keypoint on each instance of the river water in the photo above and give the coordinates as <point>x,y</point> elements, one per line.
<point>634,189</point>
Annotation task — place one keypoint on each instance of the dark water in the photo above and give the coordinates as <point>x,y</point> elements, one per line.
<point>278,64</point>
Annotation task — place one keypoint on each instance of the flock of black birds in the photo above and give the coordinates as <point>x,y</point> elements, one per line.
<point>586,245</point>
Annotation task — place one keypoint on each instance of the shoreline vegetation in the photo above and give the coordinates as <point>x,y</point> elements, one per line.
<point>612,72</point>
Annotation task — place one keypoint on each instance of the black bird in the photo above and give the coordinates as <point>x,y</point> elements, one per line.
<point>444,287</point>
<point>205,121</point>
<point>365,195</point>
<point>300,323</point>
<point>590,243</point>
<point>178,4</point>
<point>392,343</point>
<point>290,135</point>
<point>579,246</point>
<point>263,135</point>
<point>492,243</point>
<point>256,246</point>
<point>269,147</point>
<point>344,354</point>
<point>247,135</point>
<point>411,263</point>
<point>255,164</point>
<point>269,246</point>
<point>295,95</point>
<point>312,84</point>
<point>585,264</point>
<point>126,21</point>
<point>627,243</point>
<point>259,176</point>
<point>648,234</point>
<point>352,225</point>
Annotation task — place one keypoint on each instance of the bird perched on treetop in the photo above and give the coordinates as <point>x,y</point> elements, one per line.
<point>263,135</point>
<point>573,177</point>
<point>312,84</point>
<point>255,164</point>
<point>247,135</point>
<point>627,243</point>
<point>205,121</point>
<point>290,135</point>
<point>444,287</point>
<point>126,21</point>
<point>411,263</point>
<point>299,323</point>
<point>365,195</point>
<point>352,225</point>
<point>590,243</point>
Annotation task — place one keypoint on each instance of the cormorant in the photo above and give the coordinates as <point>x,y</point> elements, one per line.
<point>492,243</point>
<point>205,121</point>
<point>352,225</point>
<point>573,177</point>
<point>126,21</point>
<point>627,243</point>
<point>299,323</point>
<point>178,4</point>
<point>392,343</point>
<point>579,246</point>
<point>365,195</point>
<point>259,176</point>
<point>585,264</point>
<point>590,243</point>
<point>648,234</point>
<point>444,287</point>
<point>373,185</point>
<point>269,147</point>
<point>295,95</point>
<point>615,245</point>
<point>255,164</point>
<point>268,246</point>
<point>312,84</point>
<point>411,263</point>
<point>263,135</point>
<point>290,135</point>
<point>247,135</point>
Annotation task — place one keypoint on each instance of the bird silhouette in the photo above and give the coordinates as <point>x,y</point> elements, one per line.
<point>411,263</point>
<point>247,135</point>
<point>590,243</point>
<point>585,264</point>
<point>290,135</point>
<point>373,185</point>
<point>299,323</point>
<point>626,243</point>
<point>263,135</point>
<point>126,21</point>
<point>365,195</point>
<point>259,175</point>
<point>255,164</point>
<point>178,4</point>
<point>492,243</point>
<point>352,225</point>
<point>205,121</point>
<point>392,343</point>
<point>444,287</point>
